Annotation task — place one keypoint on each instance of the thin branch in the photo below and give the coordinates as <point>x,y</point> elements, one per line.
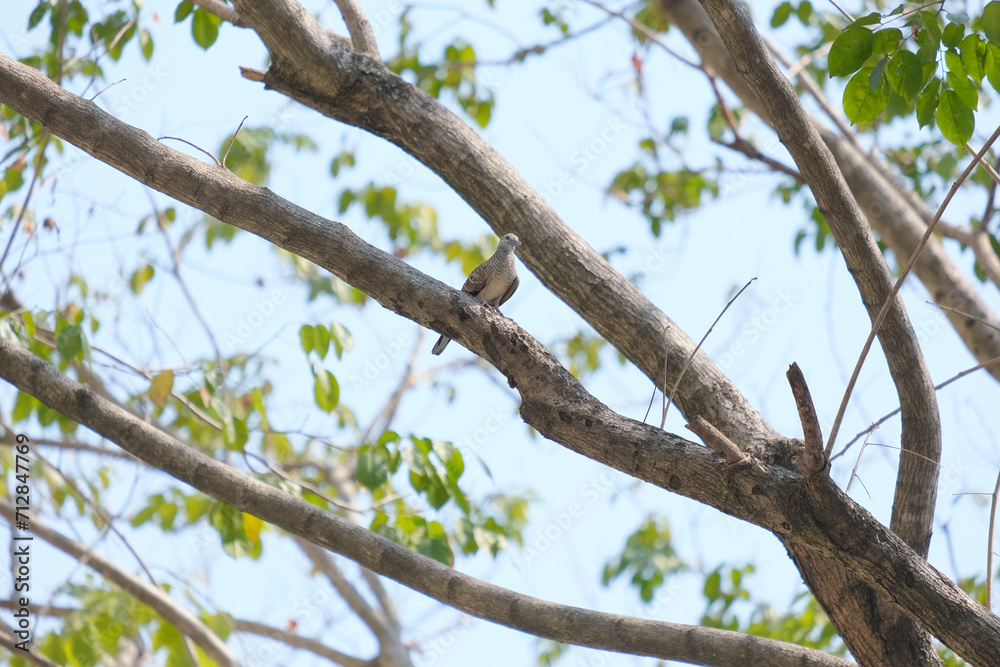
<point>102,90</point>
<point>9,642</point>
<point>647,33</point>
<point>989,545</point>
<point>716,441</point>
<point>214,159</point>
<point>891,298</point>
<point>964,314</point>
<point>300,642</point>
<point>153,596</point>
<point>870,429</point>
<point>687,363</point>
<point>233,140</point>
<point>812,462</point>
<point>362,37</point>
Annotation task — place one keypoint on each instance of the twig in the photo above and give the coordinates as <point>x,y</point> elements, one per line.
<point>716,441</point>
<point>740,144</point>
<point>857,464</point>
<point>989,546</point>
<point>298,482</point>
<point>231,141</point>
<point>698,347</point>
<point>39,166</point>
<point>223,11</point>
<point>964,314</point>
<point>891,298</point>
<point>870,429</point>
<point>647,33</point>
<point>110,85</point>
<point>214,159</point>
<point>813,461</point>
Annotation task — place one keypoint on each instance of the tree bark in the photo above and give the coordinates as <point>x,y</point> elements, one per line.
<point>816,514</point>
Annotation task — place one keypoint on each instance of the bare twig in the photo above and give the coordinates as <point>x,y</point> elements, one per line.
<point>989,545</point>
<point>233,140</point>
<point>890,299</point>
<point>687,363</point>
<point>813,461</point>
<point>101,91</point>
<point>716,441</point>
<point>647,33</point>
<point>214,159</point>
<point>870,429</point>
<point>964,314</point>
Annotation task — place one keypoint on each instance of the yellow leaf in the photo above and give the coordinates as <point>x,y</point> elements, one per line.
<point>252,526</point>
<point>160,387</point>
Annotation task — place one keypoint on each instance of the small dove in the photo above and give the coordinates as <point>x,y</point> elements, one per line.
<point>493,281</point>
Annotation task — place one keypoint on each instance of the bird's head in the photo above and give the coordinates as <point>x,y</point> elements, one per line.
<point>510,240</point>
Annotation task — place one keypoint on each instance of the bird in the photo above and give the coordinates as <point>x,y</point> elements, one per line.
<point>494,281</point>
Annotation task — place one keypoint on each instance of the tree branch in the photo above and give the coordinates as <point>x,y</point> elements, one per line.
<point>553,402</point>
<point>153,596</point>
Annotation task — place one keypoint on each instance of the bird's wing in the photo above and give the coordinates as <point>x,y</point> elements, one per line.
<point>510,291</point>
<point>478,278</point>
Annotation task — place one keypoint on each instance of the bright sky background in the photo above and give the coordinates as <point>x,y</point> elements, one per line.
<point>547,109</point>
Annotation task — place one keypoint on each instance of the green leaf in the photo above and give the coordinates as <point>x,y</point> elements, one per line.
<point>877,73</point>
<point>973,52</point>
<point>959,80</point>
<point>140,278</point>
<point>307,338</point>
<point>905,74</point>
<point>868,19</point>
<point>927,103</point>
<point>887,41</point>
<point>862,103</point>
<point>182,11</point>
<point>23,406</point>
<point>990,21</point>
<point>322,341</point>
<point>991,65</point>
<point>952,35</point>
<point>146,42</point>
<point>781,14</point>
<point>850,50</point>
<point>205,28</point>
<point>954,118</point>
<point>38,13</point>
<point>327,390</point>
<point>372,470</point>
<point>70,342</point>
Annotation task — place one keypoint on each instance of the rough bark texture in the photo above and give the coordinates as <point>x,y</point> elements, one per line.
<point>899,220</point>
<point>815,515</point>
<point>668,641</point>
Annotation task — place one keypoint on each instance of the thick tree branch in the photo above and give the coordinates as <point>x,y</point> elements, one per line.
<point>553,402</point>
<point>558,622</point>
<point>309,68</point>
<point>916,482</point>
<point>153,596</point>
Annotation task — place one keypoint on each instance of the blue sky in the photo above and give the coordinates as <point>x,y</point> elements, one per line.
<point>570,118</point>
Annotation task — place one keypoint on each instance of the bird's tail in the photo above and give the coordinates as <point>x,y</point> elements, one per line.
<point>440,345</point>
